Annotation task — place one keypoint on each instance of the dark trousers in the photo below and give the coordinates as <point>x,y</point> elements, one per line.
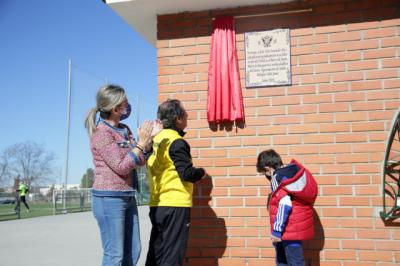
<point>169,235</point>
<point>22,198</point>
<point>289,253</point>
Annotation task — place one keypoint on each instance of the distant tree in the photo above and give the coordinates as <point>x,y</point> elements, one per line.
<point>88,178</point>
<point>4,168</point>
<point>50,192</point>
<point>17,180</point>
<point>31,161</point>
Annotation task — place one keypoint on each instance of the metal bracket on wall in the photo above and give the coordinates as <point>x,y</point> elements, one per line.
<point>391,173</point>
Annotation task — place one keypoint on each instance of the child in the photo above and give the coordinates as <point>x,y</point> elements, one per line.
<point>294,191</point>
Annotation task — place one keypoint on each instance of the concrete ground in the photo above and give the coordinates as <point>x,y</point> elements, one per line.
<point>62,240</point>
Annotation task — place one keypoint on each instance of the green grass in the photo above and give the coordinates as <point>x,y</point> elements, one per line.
<point>36,210</point>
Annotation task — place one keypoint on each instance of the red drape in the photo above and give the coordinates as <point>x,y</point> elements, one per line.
<point>225,101</point>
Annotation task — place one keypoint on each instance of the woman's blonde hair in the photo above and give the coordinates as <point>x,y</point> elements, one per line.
<point>108,97</point>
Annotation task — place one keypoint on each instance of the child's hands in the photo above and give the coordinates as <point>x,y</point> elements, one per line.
<point>275,239</point>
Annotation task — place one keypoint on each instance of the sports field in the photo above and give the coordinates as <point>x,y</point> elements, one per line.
<point>36,210</point>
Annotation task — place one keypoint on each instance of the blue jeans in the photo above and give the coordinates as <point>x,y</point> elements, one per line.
<point>289,253</point>
<point>117,217</point>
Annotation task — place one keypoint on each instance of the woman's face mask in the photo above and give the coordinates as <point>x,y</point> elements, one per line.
<point>126,112</point>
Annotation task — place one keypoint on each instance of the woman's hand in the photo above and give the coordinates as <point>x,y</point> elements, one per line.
<point>157,127</point>
<point>144,133</point>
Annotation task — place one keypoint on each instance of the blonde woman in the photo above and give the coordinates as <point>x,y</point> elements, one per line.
<point>116,154</point>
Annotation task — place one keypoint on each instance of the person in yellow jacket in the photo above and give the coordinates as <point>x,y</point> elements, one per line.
<point>22,191</point>
<point>171,176</point>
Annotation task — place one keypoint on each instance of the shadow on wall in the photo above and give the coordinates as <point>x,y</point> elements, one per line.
<point>177,26</point>
<point>313,248</point>
<point>207,237</point>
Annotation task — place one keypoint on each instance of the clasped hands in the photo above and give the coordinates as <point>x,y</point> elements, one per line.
<point>147,131</point>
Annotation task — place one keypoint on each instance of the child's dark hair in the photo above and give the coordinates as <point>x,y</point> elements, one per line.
<point>169,111</point>
<point>268,158</point>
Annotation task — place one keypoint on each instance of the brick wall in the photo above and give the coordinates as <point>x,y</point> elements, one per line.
<point>335,119</point>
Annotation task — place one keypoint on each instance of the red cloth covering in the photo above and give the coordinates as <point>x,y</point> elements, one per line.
<point>225,101</point>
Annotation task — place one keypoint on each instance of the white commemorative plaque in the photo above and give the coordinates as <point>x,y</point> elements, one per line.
<point>268,58</point>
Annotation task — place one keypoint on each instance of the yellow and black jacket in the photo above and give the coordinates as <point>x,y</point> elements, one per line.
<point>170,171</point>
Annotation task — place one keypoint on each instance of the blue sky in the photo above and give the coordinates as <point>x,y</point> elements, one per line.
<point>37,39</point>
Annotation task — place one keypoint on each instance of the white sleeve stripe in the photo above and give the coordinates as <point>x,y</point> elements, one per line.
<point>285,201</point>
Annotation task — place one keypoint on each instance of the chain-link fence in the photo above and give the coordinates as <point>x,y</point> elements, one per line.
<point>56,201</point>
<point>143,193</point>
<point>8,204</point>
<point>72,200</point>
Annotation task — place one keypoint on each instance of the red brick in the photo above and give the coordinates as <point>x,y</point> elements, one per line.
<point>318,138</point>
<point>352,137</point>
<point>380,33</point>
<point>345,56</point>
<point>275,130</point>
<point>245,212</point>
<point>333,107</point>
<point>335,148</point>
<point>392,84</point>
<point>366,85</point>
<point>337,127</point>
<point>330,29</point>
<point>363,106</point>
<point>318,98</point>
<point>301,90</point>
<point>392,62</point>
<point>285,140</point>
<point>221,202</point>
<point>301,50</point>
<point>248,252</point>
<point>255,202</point>
<point>349,96</point>
<point>354,179</point>
<point>351,117</point>
<point>362,45</point>
<point>348,76</point>
<point>363,65</point>
<point>329,68</point>
<point>337,169</point>
<point>338,212</point>
<point>313,59</point>
<point>301,32</point>
<point>303,129</point>
<point>345,36</point>
<point>389,42</point>
<point>367,126</point>
<point>383,95</point>
<point>286,100</point>
<point>289,119</point>
<point>358,244</point>
<point>354,201</point>
<point>367,190</point>
<point>277,91</point>
<point>302,70</point>
<point>320,38</point>
<point>375,255</point>
<point>181,42</point>
<point>381,53</point>
<point>231,262</point>
<point>329,47</point>
<point>303,149</point>
<point>315,79</point>
<point>325,201</point>
<point>302,109</point>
